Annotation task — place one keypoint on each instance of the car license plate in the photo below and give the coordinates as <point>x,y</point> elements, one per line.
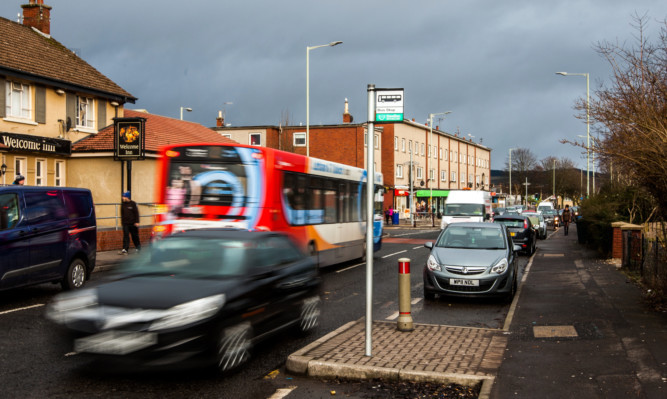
<point>512,234</point>
<point>464,282</point>
<point>115,342</point>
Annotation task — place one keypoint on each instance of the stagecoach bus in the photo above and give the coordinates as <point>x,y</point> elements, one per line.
<point>320,204</point>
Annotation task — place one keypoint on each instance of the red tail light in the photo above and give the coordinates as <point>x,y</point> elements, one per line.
<point>525,224</point>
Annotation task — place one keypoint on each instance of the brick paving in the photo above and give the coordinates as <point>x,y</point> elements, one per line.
<point>429,352</point>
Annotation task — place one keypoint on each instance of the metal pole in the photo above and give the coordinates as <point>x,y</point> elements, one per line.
<point>307,101</point>
<point>411,199</point>
<point>511,176</point>
<point>554,193</point>
<point>370,180</point>
<point>588,138</point>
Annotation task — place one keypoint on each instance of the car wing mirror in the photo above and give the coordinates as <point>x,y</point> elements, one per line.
<point>429,244</point>
<point>517,248</point>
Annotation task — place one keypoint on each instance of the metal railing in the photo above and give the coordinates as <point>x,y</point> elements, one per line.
<point>148,209</point>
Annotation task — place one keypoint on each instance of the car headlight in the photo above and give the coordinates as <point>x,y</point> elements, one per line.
<point>66,304</point>
<point>500,267</point>
<point>432,264</point>
<point>189,312</point>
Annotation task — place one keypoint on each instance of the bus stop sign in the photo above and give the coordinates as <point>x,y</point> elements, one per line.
<point>389,105</point>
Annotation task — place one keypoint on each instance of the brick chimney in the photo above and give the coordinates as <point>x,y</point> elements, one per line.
<point>36,14</point>
<point>347,118</point>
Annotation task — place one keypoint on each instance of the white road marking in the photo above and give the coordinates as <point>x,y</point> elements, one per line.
<point>349,268</point>
<point>418,247</point>
<point>416,300</point>
<point>282,392</point>
<point>393,316</point>
<point>24,308</point>
<point>395,253</point>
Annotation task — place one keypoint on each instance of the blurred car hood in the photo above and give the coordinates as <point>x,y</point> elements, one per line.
<point>159,292</point>
<point>468,257</point>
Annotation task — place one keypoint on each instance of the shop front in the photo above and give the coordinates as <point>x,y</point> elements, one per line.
<point>431,200</point>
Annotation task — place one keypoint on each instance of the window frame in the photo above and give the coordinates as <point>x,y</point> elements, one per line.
<point>40,172</point>
<point>89,113</point>
<point>25,102</point>
<point>399,171</point>
<point>298,136</point>
<point>251,135</point>
<point>59,174</point>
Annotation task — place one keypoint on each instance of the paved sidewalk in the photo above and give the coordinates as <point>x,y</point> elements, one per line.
<point>577,329</point>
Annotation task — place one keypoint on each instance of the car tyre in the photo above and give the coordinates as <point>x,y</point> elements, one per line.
<point>429,296</point>
<point>76,275</point>
<point>234,347</point>
<point>513,288</point>
<point>309,318</point>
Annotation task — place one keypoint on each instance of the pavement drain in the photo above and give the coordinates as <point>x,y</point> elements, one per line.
<point>554,332</point>
<point>553,255</point>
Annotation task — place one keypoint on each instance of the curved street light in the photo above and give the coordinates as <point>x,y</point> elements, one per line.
<point>588,128</point>
<point>185,108</point>
<point>308,48</point>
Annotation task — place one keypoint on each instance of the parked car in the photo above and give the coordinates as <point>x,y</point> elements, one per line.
<point>521,230</point>
<point>550,217</point>
<point>471,259</point>
<point>498,211</point>
<point>47,234</point>
<point>201,295</point>
<point>539,224</point>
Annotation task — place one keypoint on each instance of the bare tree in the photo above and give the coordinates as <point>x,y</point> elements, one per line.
<point>630,114</point>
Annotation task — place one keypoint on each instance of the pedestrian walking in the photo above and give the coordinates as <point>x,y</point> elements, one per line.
<point>20,180</point>
<point>129,216</point>
<point>567,218</point>
<point>387,217</point>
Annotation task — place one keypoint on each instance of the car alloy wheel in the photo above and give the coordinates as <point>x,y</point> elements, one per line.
<point>310,314</point>
<point>234,347</point>
<point>76,275</point>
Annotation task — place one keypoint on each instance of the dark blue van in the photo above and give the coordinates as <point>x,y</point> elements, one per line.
<point>47,234</point>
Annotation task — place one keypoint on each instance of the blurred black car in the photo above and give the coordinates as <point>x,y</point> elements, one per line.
<point>202,295</point>
<point>551,217</point>
<point>521,230</point>
<point>471,260</point>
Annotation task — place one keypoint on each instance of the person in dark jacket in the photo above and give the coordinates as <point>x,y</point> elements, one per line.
<point>20,180</point>
<point>129,216</point>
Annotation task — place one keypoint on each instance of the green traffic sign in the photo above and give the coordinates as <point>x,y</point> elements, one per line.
<point>389,117</point>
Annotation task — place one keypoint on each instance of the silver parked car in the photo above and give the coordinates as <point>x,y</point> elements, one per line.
<point>539,223</point>
<point>471,260</point>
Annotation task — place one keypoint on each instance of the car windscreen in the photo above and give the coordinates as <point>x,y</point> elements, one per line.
<point>464,210</point>
<point>191,257</point>
<point>471,237</point>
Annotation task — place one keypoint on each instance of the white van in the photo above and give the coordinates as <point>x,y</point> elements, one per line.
<point>466,206</point>
<point>545,206</point>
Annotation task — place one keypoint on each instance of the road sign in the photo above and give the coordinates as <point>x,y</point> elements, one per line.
<point>389,105</point>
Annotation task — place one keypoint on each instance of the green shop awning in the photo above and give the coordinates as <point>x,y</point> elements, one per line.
<point>436,193</point>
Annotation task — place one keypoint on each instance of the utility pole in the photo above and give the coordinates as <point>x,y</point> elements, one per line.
<point>526,184</point>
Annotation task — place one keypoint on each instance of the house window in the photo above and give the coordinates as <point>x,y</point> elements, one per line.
<point>300,139</point>
<point>18,103</point>
<point>453,176</point>
<point>40,172</point>
<point>443,175</point>
<point>470,178</point>
<point>403,145</point>
<point>255,138</point>
<point>410,146</point>
<point>376,141</point>
<point>229,136</point>
<point>399,170</point>
<point>422,148</point>
<point>60,173</point>
<point>395,143</point>
<point>420,173</point>
<point>440,152</point>
<point>85,112</point>
<point>463,178</point>
<point>431,174</point>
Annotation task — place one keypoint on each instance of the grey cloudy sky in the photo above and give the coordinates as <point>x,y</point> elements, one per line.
<point>492,63</point>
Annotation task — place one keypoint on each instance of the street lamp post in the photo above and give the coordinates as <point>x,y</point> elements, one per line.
<point>428,164</point>
<point>185,108</point>
<point>511,175</point>
<point>588,128</point>
<point>308,90</point>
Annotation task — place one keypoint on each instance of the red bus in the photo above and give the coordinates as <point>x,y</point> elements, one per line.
<point>321,204</point>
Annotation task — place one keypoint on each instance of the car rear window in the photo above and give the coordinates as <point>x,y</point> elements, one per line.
<point>510,222</point>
